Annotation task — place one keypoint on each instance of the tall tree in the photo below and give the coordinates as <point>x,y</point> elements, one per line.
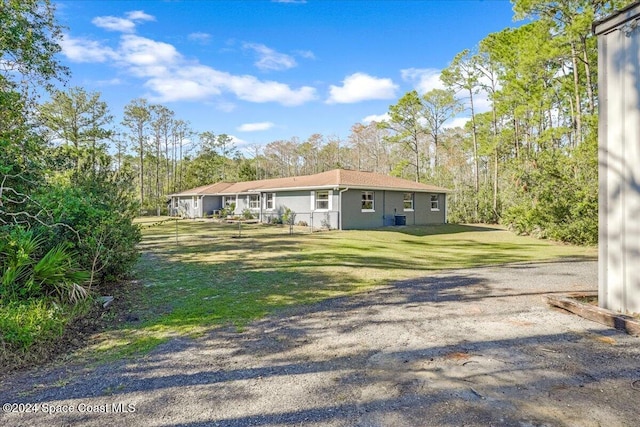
<point>226,149</point>
<point>29,42</point>
<point>405,122</point>
<point>438,106</point>
<point>161,125</point>
<point>463,75</point>
<point>137,116</point>
<point>80,121</point>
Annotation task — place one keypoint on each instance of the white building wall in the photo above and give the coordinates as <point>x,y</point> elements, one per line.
<point>619,159</point>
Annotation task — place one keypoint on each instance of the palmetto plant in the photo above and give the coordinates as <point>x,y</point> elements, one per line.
<point>27,270</point>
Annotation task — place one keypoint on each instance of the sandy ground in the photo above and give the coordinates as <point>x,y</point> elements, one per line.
<point>476,347</point>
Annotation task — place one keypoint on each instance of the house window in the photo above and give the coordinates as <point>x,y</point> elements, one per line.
<point>322,200</point>
<point>435,202</point>
<point>408,201</point>
<point>254,201</point>
<point>367,201</point>
<point>227,201</point>
<point>195,202</point>
<point>270,201</point>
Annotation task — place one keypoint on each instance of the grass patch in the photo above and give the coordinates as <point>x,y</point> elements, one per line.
<point>196,275</point>
<point>29,329</point>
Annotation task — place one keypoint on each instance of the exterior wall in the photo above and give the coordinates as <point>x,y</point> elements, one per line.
<point>241,204</point>
<point>300,202</point>
<point>387,206</point>
<point>425,215</point>
<point>211,204</point>
<point>352,215</point>
<point>619,160</point>
<point>186,207</point>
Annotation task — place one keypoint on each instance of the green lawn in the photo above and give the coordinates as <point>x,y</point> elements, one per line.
<point>198,275</point>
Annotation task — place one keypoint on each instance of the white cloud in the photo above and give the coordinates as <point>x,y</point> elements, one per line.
<point>123,25</point>
<point>376,118</point>
<point>170,89</point>
<point>306,54</point>
<point>481,102</point>
<point>82,50</point>
<point>170,77</point>
<point>456,122</point>
<point>203,38</point>
<point>239,143</point>
<point>139,15</point>
<point>269,59</point>
<point>255,127</point>
<point>141,51</point>
<point>111,82</point>
<point>423,79</point>
<point>361,87</point>
<point>225,106</point>
<point>251,89</point>
<point>113,23</point>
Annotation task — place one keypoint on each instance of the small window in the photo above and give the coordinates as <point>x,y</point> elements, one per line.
<point>435,202</point>
<point>408,201</point>
<point>367,201</point>
<point>254,201</point>
<point>195,202</point>
<point>322,200</point>
<point>227,201</point>
<point>270,201</point>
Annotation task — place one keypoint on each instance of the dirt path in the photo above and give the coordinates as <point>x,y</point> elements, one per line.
<point>466,347</point>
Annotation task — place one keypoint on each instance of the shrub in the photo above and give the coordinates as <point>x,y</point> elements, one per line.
<point>275,220</point>
<point>246,214</point>
<point>29,272</point>
<point>22,323</point>
<point>29,329</point>
<point>96,210</point>
<point>288,216</point>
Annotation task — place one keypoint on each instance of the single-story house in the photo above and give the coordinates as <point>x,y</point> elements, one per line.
<point>337,199</point>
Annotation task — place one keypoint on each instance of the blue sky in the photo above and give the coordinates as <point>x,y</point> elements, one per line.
<point>267,70</point>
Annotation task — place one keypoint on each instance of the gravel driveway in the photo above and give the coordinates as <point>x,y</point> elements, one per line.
<point>464,347</point>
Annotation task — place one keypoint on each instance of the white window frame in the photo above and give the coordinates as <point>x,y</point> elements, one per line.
<point>364,199</point>
<point>405,201</point>
<point>323,200</point>
<point>195,202</point>
<point>253,201</point>
<point>269,201</point>
<point>435,202</point>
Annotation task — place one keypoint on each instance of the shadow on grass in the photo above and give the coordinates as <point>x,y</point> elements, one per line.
<point>232,377</point>
<point>436,229</point>
<point>208,278</point>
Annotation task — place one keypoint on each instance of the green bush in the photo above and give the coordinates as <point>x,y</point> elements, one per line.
<point>246,214</point>
<point>95,211</point>
<point>27,271</point>
<point>25,323</point>
<point>559,200</point>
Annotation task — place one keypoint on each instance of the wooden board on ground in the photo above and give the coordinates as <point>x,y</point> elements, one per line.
<point>570,302</point>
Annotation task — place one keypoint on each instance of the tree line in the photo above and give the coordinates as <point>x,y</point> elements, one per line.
<point>66,213</point>
<point>527,158</point>
<point>72,180</point>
